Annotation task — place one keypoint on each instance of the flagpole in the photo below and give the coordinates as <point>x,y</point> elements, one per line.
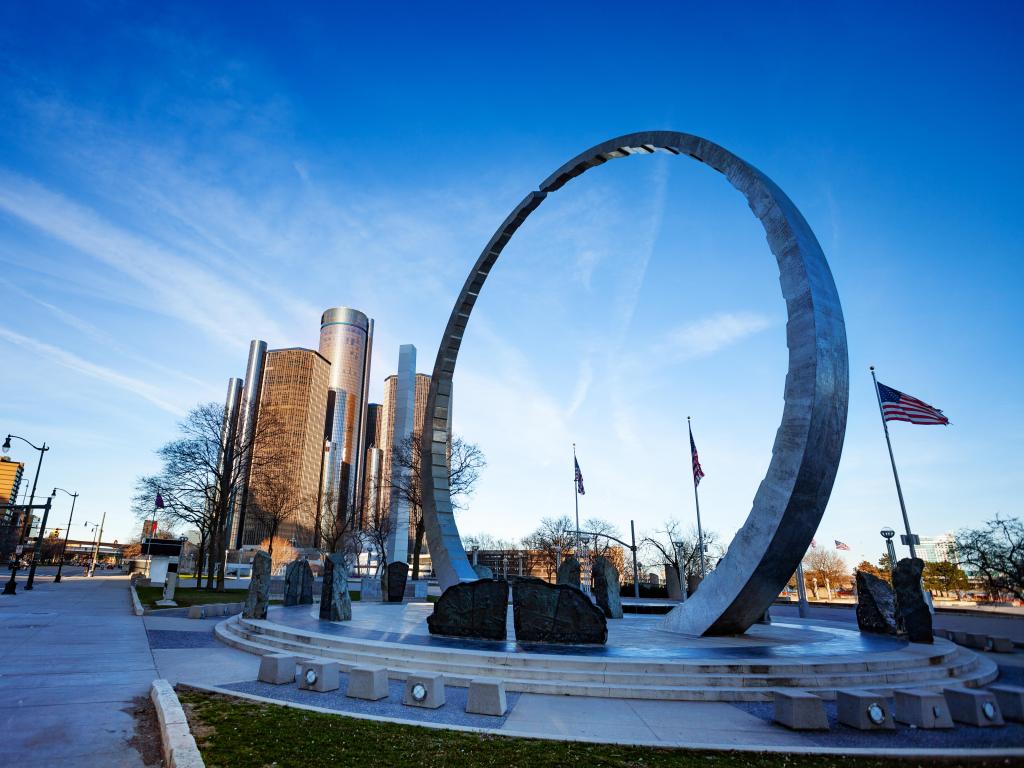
<point>576,498</point>
<point>696,500</point>
<point>892,460</point>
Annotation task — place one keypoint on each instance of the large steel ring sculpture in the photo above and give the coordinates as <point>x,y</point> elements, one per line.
<point>791,499</point>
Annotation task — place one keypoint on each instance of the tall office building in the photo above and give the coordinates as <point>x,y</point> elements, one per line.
<point>10,480</point>
<point>289,444</point>
<point>937,549</point>
<point>346,341</point>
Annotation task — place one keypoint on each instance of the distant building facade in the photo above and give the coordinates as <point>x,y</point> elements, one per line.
<point>937,549</point>
<point>11,473</point>
<point>293,399</point>
<point>346,342</point>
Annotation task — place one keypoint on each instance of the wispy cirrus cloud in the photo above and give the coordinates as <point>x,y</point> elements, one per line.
<point>109,376</point>
<point>708,335</point>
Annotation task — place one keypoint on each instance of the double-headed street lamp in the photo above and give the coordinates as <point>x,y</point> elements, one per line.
<point>63,549</point>
<point>7,449</point>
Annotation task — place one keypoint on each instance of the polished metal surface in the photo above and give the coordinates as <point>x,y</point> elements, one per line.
<point>226,460</point>
<point>403,421</point>
<point>249,412</point>
<point>792,497</point>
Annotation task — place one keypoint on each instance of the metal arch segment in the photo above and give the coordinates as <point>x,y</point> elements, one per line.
<point>792,497</point>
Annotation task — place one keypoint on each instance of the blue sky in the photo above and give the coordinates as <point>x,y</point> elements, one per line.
<point>176,180</point>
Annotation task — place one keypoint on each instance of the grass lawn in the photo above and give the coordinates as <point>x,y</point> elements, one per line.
<point>238,733</point>
<point>191,596</point>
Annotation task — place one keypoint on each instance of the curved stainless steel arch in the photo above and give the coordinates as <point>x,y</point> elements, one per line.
<point>790,501</point>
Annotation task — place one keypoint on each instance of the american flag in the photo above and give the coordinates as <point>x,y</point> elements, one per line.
<point>841,546</point>
<point>897,406</point>
<point>159,500</point>
<point>698,473</point>
<point>579,479</point>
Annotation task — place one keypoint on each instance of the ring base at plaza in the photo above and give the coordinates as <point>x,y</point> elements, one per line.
<point>638,662</point>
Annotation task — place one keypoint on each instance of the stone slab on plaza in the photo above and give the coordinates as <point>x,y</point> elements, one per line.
<point>605,587</point>
<point>369,683</point>
<point>483,572</point>
<point>319,675</point>
<point>370,590</point>
<point>472,609</point>
<point>277,668</point>
<point>397,574</point>
<point>293,581</point>
<point>258,597</point>
<point>864,710</point>
<point>800,711</point>
<point>922,709</point>
<point>876,605</point>
<point>912,609</point>
<point>486,697</point>
<point>335,602</point>
<point>569,572</point>
<point>973,707</point>
<point>555,613</point>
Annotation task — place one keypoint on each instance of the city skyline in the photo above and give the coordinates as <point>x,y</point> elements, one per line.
<point>138,265</point>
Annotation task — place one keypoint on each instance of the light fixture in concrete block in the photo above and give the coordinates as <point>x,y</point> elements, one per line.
<point>1011,701</point>
<point>973,707</point>
<point>486,697</point>
<point>923,709</point>
<point>370,683</point>
<point>800,710</point>
<point>1001,645</point>
<point>864,710</point>
<point>277,668</point>
<point>318,675</point>
<point>424,689</point>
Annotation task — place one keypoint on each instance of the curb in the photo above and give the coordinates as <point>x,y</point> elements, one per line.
<point>879,752</point>
<point>136,603</point>
<point>179,747</point>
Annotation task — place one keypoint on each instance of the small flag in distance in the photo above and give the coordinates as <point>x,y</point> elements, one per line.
<point>841,546</point>
<point>698,473</point>
<point>159,500</point>
<point>898,406</point>
<point>579,479</point>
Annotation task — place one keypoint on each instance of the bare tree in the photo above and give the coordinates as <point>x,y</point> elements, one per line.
<point>376,532</point>
<point>280,550</point>
<point>465,461</point>
<point>680,549</point>
<point>825,566</point>
<point>274,501</point>
<point>553,540</point>
<point>337,532</point>
<point>996,553</point>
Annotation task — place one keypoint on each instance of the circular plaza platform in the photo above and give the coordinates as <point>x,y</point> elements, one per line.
<point>639,661</point>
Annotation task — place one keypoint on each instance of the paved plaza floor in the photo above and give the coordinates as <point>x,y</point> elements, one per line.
<point>72,660</point>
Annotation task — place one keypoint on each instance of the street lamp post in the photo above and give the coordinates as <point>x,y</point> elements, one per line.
<point>680,570</point>
<point>67,533</point>
<point>96,546</point>
<point>32,500</point>
<point>887,534</point>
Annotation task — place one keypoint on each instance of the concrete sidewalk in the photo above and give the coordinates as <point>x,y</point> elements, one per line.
<point>72,659</point>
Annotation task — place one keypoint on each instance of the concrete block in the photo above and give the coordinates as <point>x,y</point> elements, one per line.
<point>976,640</point>
<point>196,611</point>
<point>864,710</point>
<point>800,711</point>
<point>958,637</point>
<point>1011,701</point>
<point>277,668</point>
<point>1001,645</point>
<point>319,675</point>
<point>941,633</point>
<point>424,689</point>
<point>486,697</point>
<point>973,707</point>
<point>369,683</point>
<point>924,709</point>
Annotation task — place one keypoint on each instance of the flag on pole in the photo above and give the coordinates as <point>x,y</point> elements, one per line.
<point>698,473</point>
<point>579,479</point>
<point>841,546</point>
<point>897,406</point>
<point>159,500</point>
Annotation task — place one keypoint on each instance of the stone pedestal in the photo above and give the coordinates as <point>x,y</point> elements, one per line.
<point>258,598</point>
<point>864,710</point>
<point>319,675</point>
<point>606,588</point>
<point>973,707</point>
<point>472,609</point>
<point>546,613</point>
<point>876,605</point>
<point>370,683</point>
<point>800,711</point>
<point>397,574</point>
<point>1011,701</point>
<point>911,607</point>
<point>486,697</point>
<point>432,690</point>
<point>370,590</point>
<point>569,572</point>
<point>335,602</point>
<point>922,709</point>
<point>277,668</point>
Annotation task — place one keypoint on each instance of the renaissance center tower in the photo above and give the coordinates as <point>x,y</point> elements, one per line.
<point>346,341</point>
